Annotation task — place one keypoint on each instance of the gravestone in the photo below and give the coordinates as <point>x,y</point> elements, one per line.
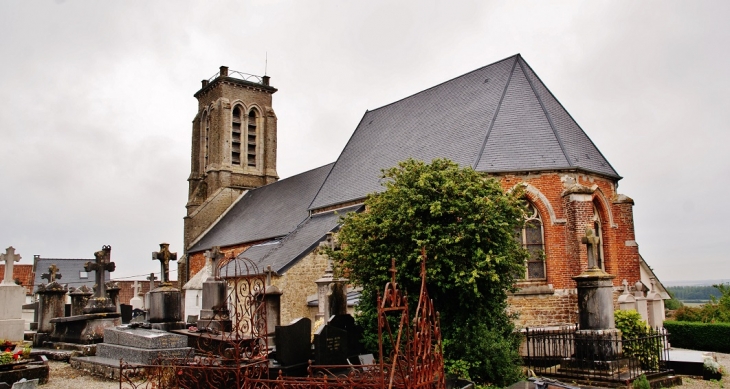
<point>641,304</point>
<point>136,302</point>
<point>152,278</point>
<point>655,306</point>
<point>12,297</point>
<point>112,291</point>
<point>330,345</point>
<point>595,308</point>
<point>79,298</point>
<point>51,300</point>
<point>354,333</point>
<point>166,300</point>
<point>626,301</point>
<point>292,342</point>
<point>100,302</point>
<point>100,312</point>
<point>214,313</point>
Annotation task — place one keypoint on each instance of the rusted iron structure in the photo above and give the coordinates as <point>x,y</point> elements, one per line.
<point>411,350</point>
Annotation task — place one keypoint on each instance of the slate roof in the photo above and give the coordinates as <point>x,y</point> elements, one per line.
<point>280,254</point>
<point>499,118</point>
<point>69,268</point>
<point>267,212</point>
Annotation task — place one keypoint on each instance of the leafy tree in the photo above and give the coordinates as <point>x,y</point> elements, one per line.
<point>717,310</point>
<point>466,223</point>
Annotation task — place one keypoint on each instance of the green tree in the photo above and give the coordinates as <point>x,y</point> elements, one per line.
<point>466,223</point>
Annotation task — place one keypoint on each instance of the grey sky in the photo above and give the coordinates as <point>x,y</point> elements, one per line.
<point>95,121</point>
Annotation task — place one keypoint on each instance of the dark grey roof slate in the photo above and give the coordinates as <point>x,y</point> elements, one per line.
<point>69,268</point>
<point>267,212</point>
<point>497,118</point>
<point>280,255</point>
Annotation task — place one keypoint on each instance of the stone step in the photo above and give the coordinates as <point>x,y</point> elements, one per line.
<point>98,366</point>
<point>144,338</point>
<point>140,355</point>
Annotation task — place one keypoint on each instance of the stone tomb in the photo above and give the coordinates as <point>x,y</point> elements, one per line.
<point>165,301</point>
<point>12,297</point>
<point>133,345</point>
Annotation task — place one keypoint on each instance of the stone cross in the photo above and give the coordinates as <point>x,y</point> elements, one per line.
<point>100,266</point>
<point>164,256</point>
<point>10,258</point>
<point>152,279</point>
<point>626,286</point>
<point>136,287</point>
<point>214,255</point>
<point>52,274</point>
<point>591,241</point>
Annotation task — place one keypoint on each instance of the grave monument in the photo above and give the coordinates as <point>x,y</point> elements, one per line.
<point>99,313</point>
<point>215,314</point>
<point>136,302</point>
<point>51,304</point>
<point>152,278</point>
<point>166,300</point>
<point>12,298</point>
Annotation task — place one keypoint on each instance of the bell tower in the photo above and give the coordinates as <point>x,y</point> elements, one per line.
<point>233,146</point>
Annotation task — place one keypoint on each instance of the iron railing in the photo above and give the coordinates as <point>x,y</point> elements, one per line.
<point>241,76</point>
<point>595,355</point>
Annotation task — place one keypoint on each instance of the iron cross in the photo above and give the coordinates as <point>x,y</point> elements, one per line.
<point>164,256</point>
<point>103,262</point>
<point>10,258</point>
<point>52,274</point>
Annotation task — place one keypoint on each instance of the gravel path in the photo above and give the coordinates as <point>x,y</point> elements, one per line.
<point>63,376</point>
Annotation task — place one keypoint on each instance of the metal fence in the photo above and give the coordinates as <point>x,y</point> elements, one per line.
<point>595,355</point>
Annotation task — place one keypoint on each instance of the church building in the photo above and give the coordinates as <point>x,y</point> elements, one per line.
<point>499,119</point>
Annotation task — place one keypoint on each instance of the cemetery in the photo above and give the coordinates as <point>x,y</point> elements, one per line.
<point>236,338</point>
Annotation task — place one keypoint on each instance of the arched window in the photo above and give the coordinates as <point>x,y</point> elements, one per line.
<point>237,121</point>
<point>251,139</point>
<point>206,135</point>
<point>531,238</point>
<point>599,233</point>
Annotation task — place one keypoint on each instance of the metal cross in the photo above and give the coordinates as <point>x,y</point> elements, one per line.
<point>103,263</point>
<point>164,256</point>
<point>10,258</point>
<point>591,241</point>
<point>214,255</point>
<point>52,274</point>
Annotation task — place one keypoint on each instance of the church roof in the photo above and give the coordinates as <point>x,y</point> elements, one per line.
<point>71,270</point>
<point>267,212</point>
<point>499,118</point>
<point>282,253</point>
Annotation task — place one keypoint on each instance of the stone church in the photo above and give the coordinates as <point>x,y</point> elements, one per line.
<point>499,119</point>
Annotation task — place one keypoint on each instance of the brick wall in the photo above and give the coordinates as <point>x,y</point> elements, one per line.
<point>126,292</point>
<point>22,272</point>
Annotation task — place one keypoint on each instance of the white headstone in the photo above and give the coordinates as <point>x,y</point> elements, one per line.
<point>655,307</point>
<point>12,297</point>
<point>136,302</point>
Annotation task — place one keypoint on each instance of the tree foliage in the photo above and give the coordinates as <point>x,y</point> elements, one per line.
<point>466,223</point>
<point>717,310</point>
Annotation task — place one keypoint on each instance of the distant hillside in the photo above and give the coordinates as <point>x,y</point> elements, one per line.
<point>695,282</point>
<point>693,293</point>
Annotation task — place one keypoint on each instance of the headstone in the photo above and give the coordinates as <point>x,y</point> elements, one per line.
<point>214,313</point>
<point>292,342</point>
<point>151,279</point>
<point>166,300</point>
<point>100,303</point>
<point>626,301</point>
<point>12,297</point>
<point>655,306</point>
<point>51,300</point>
<point>641,305</point>
<point>79,299</point>
<point>136,302</point>
<point>112,290</point>
<point>330,345</point>
<point>354,333</point>
<point>126,311</point>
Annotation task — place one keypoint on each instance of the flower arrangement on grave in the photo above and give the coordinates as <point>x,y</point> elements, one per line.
<point>11,353</point>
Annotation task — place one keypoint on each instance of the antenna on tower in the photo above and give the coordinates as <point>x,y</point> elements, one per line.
<point>266,64</point>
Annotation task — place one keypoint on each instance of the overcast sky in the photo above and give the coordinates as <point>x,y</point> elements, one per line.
<point>97,103</point>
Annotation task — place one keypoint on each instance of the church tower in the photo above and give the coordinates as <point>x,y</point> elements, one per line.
<point>233,146</point>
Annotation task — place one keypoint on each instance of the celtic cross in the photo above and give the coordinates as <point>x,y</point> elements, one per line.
<point>52,275</point>
<point>103,263</point>
<point>164,256</point>
<point>10,258</point>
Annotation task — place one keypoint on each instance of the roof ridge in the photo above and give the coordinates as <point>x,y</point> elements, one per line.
<point>547,116</point>
<point>496,112</point>
<point>571,118</point>
<point>444,82</point>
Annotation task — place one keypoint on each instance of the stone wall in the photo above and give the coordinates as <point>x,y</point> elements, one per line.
<point>548,309</point>
<point>297,283</point>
